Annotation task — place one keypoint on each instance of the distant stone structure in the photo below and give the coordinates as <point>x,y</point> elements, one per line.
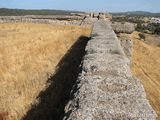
<point>91,17</point>
<point>84,19</point>
<point>123,27</point>
<point>99,15</point>
<point>46,19</point>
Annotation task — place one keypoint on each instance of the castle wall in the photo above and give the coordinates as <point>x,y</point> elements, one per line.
<point>106,89</point>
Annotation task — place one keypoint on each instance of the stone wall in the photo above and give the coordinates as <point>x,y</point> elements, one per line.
<point>99,15</point>
<point>55,19</point>
<point>123,27</point>
<point>89,22</point>
<point>106,89</point>
<point>86,19</point>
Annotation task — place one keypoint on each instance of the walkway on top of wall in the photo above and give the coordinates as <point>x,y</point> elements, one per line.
<point>106,89</point>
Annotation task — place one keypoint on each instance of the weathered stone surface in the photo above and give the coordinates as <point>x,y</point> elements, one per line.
<point>88,22</point>
<point>106,90</point>
<point>127,45</point>
<point>123,28</point>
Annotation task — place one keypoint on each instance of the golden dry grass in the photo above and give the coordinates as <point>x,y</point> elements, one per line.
<point>146,66</point>
<point>29,54</point>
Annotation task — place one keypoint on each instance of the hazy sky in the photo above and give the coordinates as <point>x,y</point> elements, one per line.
<point>85,5</point>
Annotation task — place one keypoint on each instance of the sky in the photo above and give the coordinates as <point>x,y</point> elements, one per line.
<point>85,5</point>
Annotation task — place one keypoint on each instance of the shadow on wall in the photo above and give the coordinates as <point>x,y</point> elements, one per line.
<point>55,97</point>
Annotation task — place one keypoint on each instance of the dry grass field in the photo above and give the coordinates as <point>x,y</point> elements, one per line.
<point>153,40</point>
<point>146,66</point>
<point>29,54</point>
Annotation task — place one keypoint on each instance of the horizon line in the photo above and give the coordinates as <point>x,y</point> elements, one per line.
<point>78,10</point>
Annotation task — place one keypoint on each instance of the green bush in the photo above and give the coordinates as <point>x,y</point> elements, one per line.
<point>127,19</point>
<point>157,31</point>
<point>152,28</point>
<point>142,36</point>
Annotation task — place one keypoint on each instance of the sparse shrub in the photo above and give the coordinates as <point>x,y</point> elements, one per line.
<point>128,19</point>
<point>145,31</point>
<point>139,27</point>
<point>157,31</point>
<point>142,36</point>
<point>154,28</point>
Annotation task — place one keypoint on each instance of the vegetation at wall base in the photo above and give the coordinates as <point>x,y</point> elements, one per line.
<point>127,19</point>
<point>142,36</point>
<point>141,25</point>
<point>152,28</point>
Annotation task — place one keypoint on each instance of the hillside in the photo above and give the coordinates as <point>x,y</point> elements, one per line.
<point>21,12</point>
<point>146,66</point>
<point>138,13</point>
